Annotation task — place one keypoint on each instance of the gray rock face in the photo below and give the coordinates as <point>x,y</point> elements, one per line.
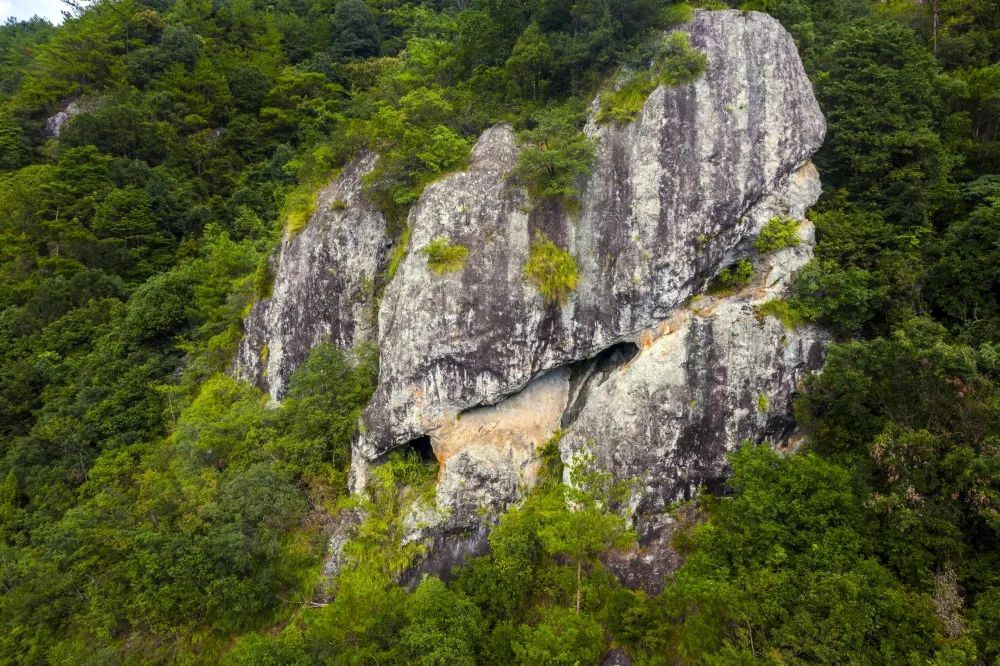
<point>656,384</point>
<point>55,123</point>
<point>674,197</point>
<point>324,284</point>
<point>716,374</point>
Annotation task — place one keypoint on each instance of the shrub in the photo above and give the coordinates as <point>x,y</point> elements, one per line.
<point>398,253</point>
<point>263,279</point>
<point>674,63</point>
<point>738,275</point>
<point>678,63</point>
<point>299,207</point>
<point>624,104</point>
<point>552,270</point>
<point>444,257</point>
<point>777,234</point>
<point>676,14</point>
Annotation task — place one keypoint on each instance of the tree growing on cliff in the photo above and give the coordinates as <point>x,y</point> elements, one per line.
<point>578,521</point>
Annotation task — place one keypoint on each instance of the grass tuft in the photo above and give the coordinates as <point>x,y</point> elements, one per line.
<point>444,257</point>
<point>777,234</point>
<point>783,311</point>
<point>552,270</point>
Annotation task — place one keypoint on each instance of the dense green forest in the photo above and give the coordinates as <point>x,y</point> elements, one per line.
<point>152,509</point>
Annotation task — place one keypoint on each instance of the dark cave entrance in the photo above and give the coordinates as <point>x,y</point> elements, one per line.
<point>423,448</point>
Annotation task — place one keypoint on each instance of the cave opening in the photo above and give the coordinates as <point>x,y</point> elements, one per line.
<point>422,445</point>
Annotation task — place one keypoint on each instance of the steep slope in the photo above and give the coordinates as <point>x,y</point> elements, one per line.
<point>478,363</point>
<point>675,197</point>
<point>323,284</point>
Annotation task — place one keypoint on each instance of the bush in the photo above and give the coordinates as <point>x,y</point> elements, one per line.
<point>843,298</point>
<point>556,152</point>
<point>676,14</point>
<point>736,276</point>
<point>263,280</point>
<point>678,63</point>
<point>674,63</point>
<point>443,257</point>
<point>552,270</point>
<point>777,234</point>
<point>624,104</point>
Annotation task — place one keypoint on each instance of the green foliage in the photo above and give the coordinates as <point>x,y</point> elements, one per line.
<point>561,637</point>
<point>777,234</point>
<point>355,31</point>
<point>398,254</point>
<point>674,63</point>
<point>555,156</point>
<point>783,311</point>
<point>552,270</point>
<point>795,528</point>
<point>444,257</point>
<point>263,280</point>
<point>153,510</point>
<point>844,299</point>
<point>733,277</point>
<point>675,14</point>
<point>625,103</point>
<point>442,628</point>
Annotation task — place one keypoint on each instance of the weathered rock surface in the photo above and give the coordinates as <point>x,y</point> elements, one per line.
<point>674,197</point>
<point>657,385</point>
<point>324,284</point>
<point>55,123</point>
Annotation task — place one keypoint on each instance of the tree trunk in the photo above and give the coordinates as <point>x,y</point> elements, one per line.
<point>579,570</point>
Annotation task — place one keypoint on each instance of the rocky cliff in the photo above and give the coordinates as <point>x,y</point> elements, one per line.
<point>656,385</point>
<point>323,285</point>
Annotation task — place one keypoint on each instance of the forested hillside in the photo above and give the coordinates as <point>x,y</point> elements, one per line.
<point>155,510</point>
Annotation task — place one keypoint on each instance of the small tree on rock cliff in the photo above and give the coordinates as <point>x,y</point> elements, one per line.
<point>578,523</point>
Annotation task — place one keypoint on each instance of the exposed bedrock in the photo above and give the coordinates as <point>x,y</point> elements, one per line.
<point>658,385</point>
<point>674,197</point>
<point>323,286</point>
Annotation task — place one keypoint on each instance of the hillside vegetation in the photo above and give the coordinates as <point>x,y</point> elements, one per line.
<point>154,510</point>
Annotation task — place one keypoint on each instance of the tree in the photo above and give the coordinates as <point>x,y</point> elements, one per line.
<point>562,637</point>
<point>355,32</point>
<point>586,527</point>
<point>555,155</point>
<point>530,61</point>
<point>881,102</point>
<point>12,150</point>
<point>443,628</point>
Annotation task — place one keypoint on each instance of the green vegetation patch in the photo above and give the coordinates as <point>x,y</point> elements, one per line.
<point>263,279</point>
<point>783,311</point>
<point>777,234</point>
<point>555,154</point>
<point>398,253</point>
<point>444,257</point>
<point>674,63</point>
<point>734,277</point>
<point>552,270</point>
